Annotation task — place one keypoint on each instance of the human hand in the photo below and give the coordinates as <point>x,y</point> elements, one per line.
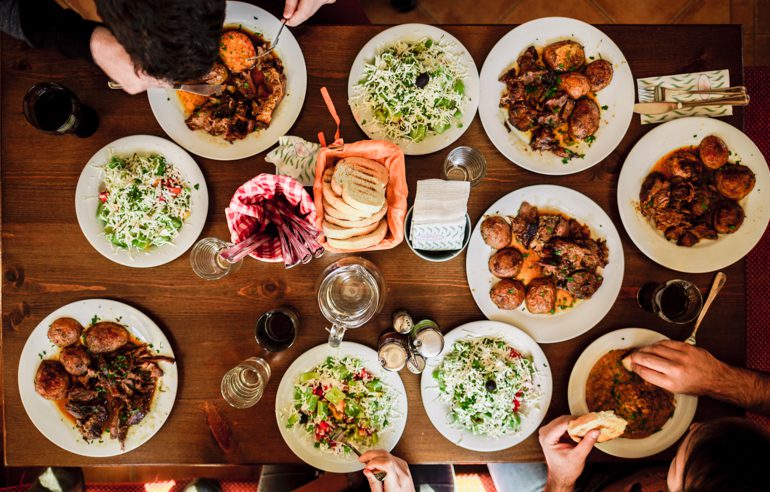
<point>298,11</point>
<point>678,367</point>
<point>113,59</point>
<point>398,478</point>
<point>565,460</point>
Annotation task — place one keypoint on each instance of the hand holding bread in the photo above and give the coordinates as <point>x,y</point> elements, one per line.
<point>607,423</point>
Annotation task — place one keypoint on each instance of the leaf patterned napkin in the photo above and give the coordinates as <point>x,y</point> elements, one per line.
<point>714,79</point>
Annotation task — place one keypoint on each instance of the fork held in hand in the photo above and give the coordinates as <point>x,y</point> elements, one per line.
<point>339,437</point>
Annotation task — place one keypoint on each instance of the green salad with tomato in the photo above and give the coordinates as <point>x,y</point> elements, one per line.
<point>144,203</point>
<point>341,394</point>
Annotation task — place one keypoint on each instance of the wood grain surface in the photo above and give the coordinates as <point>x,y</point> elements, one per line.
<point>47,261</point>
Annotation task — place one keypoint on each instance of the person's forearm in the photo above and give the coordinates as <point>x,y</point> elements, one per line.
<point>552,485</point>
<point>744,388</point>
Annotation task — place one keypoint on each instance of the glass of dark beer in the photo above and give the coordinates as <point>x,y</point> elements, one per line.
<point>54,109</point>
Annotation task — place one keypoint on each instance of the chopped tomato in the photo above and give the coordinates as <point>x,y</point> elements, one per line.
<point>516,405</point>
<point>103,196</point>
<point>318,391</point>
<point>514,354</point>
<point>175,190</point>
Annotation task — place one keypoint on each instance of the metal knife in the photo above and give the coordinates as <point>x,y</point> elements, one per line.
<point>201,89</point>
<point>665,107</point>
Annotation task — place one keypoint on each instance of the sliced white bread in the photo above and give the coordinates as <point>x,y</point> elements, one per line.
<point>359,169</point>
<point>609,425</point>
<point>363,198</point>
<point>338,203</point>
<point>330,217</point>
<point>334,231</point>
<point>361,242</point>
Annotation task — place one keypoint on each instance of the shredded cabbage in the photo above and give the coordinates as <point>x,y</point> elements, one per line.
<point>489,386</point>
<point>145,201</point>
<point>341,394</point>
<point>389,97</point>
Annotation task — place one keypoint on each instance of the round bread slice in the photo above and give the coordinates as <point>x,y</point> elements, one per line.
<point>338,203</point>
<point>609,425</point>
<point>360,169</point>
<point>361,242</point>
<point>334,231</point>
<point>356,223</point>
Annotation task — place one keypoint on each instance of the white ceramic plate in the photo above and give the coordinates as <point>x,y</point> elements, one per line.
<point>672,430</point>
<point>567,323</point>
<point>438,411</point>
<point>170,115</point>
<point>414,33</point>
<point>707,255</point>
<point>46,415</point>
<point>91,183</point>
<point>618,96</point>
<point>302,444</point>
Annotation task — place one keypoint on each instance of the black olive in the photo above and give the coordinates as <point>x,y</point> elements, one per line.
<point>422,80</point>
<point>491,385</point>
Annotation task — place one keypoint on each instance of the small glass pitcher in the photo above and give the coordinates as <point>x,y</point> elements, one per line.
<point>351,291</point>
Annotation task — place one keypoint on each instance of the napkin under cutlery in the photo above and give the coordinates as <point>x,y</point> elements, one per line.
<point>438,216</point>
<point>714,79</point>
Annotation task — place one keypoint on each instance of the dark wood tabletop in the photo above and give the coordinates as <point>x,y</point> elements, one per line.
<point>47,262</point>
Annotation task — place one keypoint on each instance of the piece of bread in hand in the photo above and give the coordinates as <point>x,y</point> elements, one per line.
<point>609,424</point>
<point>627,364</point>
<point>361,242</point>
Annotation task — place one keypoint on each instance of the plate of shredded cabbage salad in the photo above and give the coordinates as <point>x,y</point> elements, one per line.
<point>327,390</point>
<point>489,389</point>
<point>415,85</point>
<point>141,201</point>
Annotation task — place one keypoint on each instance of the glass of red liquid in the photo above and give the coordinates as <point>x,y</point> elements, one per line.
<point>54,109</point>
<point>676,301</point>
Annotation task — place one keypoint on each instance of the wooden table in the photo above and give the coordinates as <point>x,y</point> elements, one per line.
<point>47,261</point>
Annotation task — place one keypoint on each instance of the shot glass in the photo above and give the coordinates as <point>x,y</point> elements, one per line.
<point>465,164</point>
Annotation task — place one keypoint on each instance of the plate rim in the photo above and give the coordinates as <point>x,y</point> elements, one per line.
<point>347,349</point>
<point>487,120</point>
<point>390,35</point>
<point>484,328</point>
<point>251,146</point>
<point>170,371</point>
<point>689,402</point>
<point>86,216</point>
<point>684,263</point>
<point>617,256</point>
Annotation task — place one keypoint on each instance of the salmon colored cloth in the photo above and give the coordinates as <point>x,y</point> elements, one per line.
<point>389,155</point>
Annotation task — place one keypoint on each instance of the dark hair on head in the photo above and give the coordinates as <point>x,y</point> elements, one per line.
<point>731,454</point>
<point>173,40</point>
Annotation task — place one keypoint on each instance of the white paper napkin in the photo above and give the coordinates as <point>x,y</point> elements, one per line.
<point>438,216</point>
<point>714,79</point>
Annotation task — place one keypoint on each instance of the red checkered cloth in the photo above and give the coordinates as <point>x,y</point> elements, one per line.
<point>758,261</point>
<point>246,215</point>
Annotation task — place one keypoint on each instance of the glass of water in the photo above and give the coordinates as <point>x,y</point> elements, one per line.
<point>206,261</point>
<point>351,292</point>
<point>243,385</point>
<point>465,164</point>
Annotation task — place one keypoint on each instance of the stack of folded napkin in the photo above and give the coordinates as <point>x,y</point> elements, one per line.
<point>438,217</point>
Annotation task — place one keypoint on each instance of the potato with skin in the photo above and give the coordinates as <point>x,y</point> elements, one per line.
<point>507,294</point>
<point>496,232</point>
<point>727,217</point>
<point>599,74</point>
<point>235,48</point>
<point>63,332</point>
<point>584,120</point>
<point>105,336</point>
<point>564,56</point>
<point>541,296</point>
<point>713,152</point>
<point>51,380</point>
<point>735,181</point>
<point>506,263</point>
<point>575,84</point>
<point>75,360</point>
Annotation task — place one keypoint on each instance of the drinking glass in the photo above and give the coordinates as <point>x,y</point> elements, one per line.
<point>54,109</point>
<point>465,164</point>
<point>243,385</point>
<point>206,261</point>
<point>676,301</point>
<point>351,291</point>
<point>277,329</point>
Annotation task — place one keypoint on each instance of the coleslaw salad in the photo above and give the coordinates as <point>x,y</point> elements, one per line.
<point>144,203</point>
<point>341,394</point>
<point>488,385</point>
<point>411,90</point>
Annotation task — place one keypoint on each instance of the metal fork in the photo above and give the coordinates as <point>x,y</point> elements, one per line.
<point>719,282</point>
<point>339,437</point>
<point>273,43</point>
<point>659,93</point>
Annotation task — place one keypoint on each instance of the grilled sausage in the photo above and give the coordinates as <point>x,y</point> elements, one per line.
<point>599,74</point>
<point>51,380</point>
<point>105,336</point>
<point>584,120</point>
<point>507,294</point>
<point>564,56</point>
<point>64,332</point>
